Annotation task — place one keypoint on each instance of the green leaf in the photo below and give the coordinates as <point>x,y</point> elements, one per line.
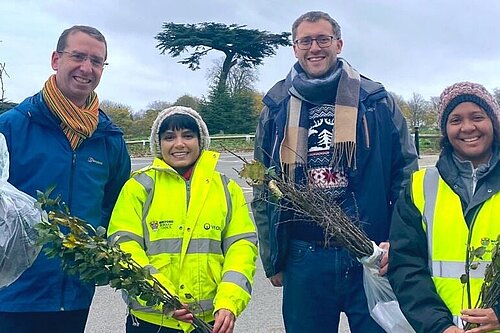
<point>85,253</point>
<point>253,172</point>
<point>115,283</point>
<point>480,251</point>
<point>485,242</point>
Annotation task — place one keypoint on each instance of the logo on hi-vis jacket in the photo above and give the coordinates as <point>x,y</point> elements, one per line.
<point>157,225</point>
<point>208,226</point>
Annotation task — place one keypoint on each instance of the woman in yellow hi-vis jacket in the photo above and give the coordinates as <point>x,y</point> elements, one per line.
<point>190,226</point>
<point>447,210</point>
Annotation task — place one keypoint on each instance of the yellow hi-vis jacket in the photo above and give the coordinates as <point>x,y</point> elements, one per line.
<point>448,237</point>
<point>196,237</point>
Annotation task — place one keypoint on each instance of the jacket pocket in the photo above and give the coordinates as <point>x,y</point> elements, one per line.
<point>298,251</point>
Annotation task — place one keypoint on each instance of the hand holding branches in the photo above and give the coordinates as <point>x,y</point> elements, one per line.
<point>85,251</point>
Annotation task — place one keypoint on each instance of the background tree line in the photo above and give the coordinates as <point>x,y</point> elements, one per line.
<point>232,104</point>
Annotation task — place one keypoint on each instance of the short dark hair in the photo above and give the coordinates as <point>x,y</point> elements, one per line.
<point>178,122</point>
<point>91,31</point>
<point>315,16</point>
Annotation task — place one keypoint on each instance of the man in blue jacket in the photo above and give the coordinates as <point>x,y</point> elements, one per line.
<point>60,137</point>
<point>328,126</point>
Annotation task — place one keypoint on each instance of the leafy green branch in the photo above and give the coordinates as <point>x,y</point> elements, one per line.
<point>86,252</point>
<point>490,290</point>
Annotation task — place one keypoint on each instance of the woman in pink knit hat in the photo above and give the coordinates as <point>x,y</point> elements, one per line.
<point>445,213</point>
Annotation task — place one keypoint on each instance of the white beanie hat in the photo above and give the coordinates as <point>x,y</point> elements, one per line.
<point>154,138</point>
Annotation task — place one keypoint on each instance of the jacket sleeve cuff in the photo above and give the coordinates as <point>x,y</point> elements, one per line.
<point>496,309</point>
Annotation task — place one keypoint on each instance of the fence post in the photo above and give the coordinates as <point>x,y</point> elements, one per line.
<point>417,145</point>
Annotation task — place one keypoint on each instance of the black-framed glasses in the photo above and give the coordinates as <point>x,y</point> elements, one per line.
<point>322,41</point>
<point>81,57</point>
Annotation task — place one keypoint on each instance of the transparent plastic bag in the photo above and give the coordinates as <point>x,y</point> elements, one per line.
<point>18,216</point>
<point>382,303</point>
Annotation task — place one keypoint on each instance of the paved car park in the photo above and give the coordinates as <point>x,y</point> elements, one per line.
<point>263,314</point>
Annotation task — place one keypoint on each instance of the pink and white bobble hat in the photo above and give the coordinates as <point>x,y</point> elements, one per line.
<point>466,92</point>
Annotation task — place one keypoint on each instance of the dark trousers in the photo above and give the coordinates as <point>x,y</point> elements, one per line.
<point>44,322</point>
<point>320,283</point>
<point>145,327</point>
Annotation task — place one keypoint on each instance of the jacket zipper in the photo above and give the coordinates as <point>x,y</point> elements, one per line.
<point>71,178</point>
<point>275,144</point>
<point>474,181</point>
<point>188,192</point>
<point>367,132</point>
<point>70,199</point>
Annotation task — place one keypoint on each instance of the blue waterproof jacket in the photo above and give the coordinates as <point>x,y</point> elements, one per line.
<point>385,158</point>
<point>88,179</point>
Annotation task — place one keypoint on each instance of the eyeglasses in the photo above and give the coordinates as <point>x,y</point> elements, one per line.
<point>80,57</point>
<point>322,41</point>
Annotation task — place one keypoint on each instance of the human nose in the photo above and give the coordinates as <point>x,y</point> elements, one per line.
<point>86,64</point>
<point>179,141</point>
<point>468,126</point>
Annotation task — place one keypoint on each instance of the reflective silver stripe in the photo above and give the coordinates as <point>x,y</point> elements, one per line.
<point>449,269</point>
<point>204,245</point>
<point>174,246</point>
<point>431,183</point>
<point>195,307</point>
<point>206,305</point>
<point>225,183</point>
<point>238,279</point>
<point>135,305</point>
<point>125,236</point>
<point>152,269</point>
<point>249,236</point>
<point>160,246</point>
<point>149,185</point>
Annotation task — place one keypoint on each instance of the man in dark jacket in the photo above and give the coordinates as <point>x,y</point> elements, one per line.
<point>60,137</point>
<point>327,126</point>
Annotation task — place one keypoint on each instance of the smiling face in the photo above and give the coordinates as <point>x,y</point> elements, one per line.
<point>75,79</point>
<point>317,61</point>
<point>470,132</point>
<point>180,148</point>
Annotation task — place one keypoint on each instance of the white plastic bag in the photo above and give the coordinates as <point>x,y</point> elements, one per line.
<point>382,303</point>
<point>18,215</point>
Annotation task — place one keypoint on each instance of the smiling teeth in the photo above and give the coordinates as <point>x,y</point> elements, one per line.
<point>471,139</point>
<point>82,80</point>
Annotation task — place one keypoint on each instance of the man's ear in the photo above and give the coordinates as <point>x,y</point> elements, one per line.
<point>340,44</point>
<point>54,60</point>
<point>295,50</point>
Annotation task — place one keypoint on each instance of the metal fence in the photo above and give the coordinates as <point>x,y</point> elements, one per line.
<point>141,147</point>
<point>425,143</point>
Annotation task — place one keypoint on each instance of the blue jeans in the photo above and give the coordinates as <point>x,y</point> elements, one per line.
<point>146,327</point>
<point>43,322</point>
<point>320,283</point>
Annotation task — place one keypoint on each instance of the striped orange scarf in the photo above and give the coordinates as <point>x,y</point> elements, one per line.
<point>77,123</point>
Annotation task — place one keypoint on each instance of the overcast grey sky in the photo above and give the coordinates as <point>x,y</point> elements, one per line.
<point>409,45</point>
